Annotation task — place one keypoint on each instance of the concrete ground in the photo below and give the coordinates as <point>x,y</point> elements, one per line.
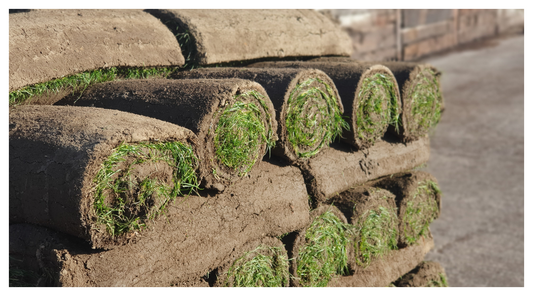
<point>477,155</point>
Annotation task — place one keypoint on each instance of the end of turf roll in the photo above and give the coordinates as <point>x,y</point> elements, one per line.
<point>419,202</point>
<point>372,212</point>
<point>322,249</point>
<point>377,105</point>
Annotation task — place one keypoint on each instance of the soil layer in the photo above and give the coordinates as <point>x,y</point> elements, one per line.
<point>387,269</point>
<point>225,35</point>
<point>280,84</point>
<point>193,238</point>
<point>419,203</point>
<point>48,44</point>
<point>426,274</point>
<point>195,104</point>
<point>338,168</point>
<point>55,153</point>
<point>349,79</point>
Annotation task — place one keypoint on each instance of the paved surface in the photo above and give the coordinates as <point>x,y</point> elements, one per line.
<point>477,155</point>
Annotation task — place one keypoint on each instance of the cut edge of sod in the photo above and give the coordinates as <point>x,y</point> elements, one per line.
<point>420,211</point>
<point>426,99</point>
<point>375,91</point>
<point>325,252</point>
<point>115,192</point>
<point>314,130</point>
<point>77,83</point>
<point>375,235</point>
<point>255,269</point>
<point>240,133</point>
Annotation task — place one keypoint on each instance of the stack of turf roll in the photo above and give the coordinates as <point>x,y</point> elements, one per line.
<point>373,107</point>
<point>421,95</point>
<point>233,118</point>
<point>306,101</point>
<point>281,173</point>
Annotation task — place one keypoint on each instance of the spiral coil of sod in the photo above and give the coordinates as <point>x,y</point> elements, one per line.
<point>372,213</point>
<point>378,106</point>
<point>233,118</point>
<point>313,118</point>
<point>369,94</point>
<point>307,104</point>
<point>264,266</point>
<point>123,203</point>
<point>419,202</point>
<point>321,251</point>
<point>96,174</point>
<point>240,132</point>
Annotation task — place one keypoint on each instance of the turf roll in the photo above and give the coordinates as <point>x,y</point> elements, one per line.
<point>212,36</point>
<point>418,198</point>
<point>194,238</point>
<point>322,249</point>
<point>101,175</point>
<point>307,104</point>
<point>369,93</point>
<point>45,44</point>
<point>259,263</point>
<point>422,100</point>
<point>426,274</point>
<point>338,168</point>
<point>373,214</point>
<point>384,270</point>
<point>233,118</point>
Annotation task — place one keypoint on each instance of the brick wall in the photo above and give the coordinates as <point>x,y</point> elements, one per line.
<point>409,34</point>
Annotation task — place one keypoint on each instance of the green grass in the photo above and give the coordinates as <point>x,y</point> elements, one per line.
<point>313,118</point>
<point>240,133</point>
<point>425,102</point>
<point>376,235</point>
<point>255,269</point>
<point>420,211</point>
<point>376,111</point>
<point>442,282</point>
<point>79,82</point>
<point>324,253</point>
<point>123,203</point>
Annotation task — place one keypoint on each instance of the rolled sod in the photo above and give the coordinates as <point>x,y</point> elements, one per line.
<point>101,175</point>
<point>337,168</point>
<point>369,94</point>
<point>194,237</point>
<point>426,274</point>
<point>259,263</point>
<point>419,202</point>
<point>422,100</point>
<point>45,44</point>
<point>383,271</point>
<point>211,36</point>
<point>321,250</point>
<point>233,118</point>
<point>373,213</point>
<point>307,104</point>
